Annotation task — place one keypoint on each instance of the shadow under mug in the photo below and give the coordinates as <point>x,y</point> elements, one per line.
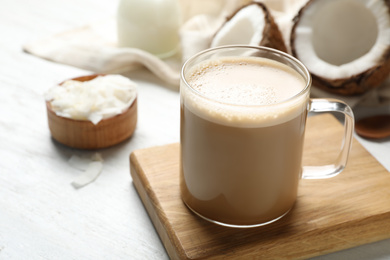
<point>240,175</point>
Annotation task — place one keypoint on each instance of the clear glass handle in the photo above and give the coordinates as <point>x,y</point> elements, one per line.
<point>328,171</point>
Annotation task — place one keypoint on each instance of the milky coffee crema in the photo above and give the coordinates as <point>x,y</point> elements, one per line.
<point>245,91</point>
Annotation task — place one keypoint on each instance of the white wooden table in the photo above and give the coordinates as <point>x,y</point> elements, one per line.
<point>41,215</point>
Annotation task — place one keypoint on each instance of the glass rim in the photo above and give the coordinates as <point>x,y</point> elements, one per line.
<point>285,55</point>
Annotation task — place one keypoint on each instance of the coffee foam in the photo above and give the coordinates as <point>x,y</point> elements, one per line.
<point>244,92</point>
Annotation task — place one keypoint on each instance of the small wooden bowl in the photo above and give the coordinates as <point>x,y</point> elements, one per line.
<point>84,134</point>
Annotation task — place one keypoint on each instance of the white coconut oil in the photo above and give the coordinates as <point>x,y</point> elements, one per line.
<point>150,25</point>
<point>93,100</point>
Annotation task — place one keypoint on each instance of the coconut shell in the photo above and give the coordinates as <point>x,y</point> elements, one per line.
<point>354,85</point>
<point>271,35</point>
<point>359,83</point>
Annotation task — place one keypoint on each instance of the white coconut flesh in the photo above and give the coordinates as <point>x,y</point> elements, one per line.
<point>245,27</point>
<point>337,39</point>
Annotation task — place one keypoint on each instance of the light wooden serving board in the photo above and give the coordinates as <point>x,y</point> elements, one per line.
<point>348,210</point>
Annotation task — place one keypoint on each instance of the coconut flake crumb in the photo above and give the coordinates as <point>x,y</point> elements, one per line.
<point>93,100</point>
<point>91,167</point>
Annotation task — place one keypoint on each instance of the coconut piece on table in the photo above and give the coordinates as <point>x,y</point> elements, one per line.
<point>252,24</point>
<point>345,44</point>
<point>91,169</point>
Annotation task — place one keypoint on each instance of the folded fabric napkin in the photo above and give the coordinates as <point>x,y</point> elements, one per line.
<point>94,47</point>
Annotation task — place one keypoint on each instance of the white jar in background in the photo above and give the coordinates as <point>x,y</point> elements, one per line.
<point>150,25</point>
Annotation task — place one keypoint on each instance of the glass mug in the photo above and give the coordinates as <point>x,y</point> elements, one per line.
<point>242,125</point>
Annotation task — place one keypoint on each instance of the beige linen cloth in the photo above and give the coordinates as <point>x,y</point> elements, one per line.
<point>93,47</point>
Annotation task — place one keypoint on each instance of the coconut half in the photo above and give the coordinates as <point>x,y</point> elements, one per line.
<point>345,44</point>
<point>252,24</point>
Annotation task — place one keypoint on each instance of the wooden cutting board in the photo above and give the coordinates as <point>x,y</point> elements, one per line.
<point>348,210</point>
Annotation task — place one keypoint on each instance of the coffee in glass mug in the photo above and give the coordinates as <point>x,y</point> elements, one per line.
<point>243,117</point>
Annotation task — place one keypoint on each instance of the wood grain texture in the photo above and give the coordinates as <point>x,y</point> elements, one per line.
<point>348,210</point>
